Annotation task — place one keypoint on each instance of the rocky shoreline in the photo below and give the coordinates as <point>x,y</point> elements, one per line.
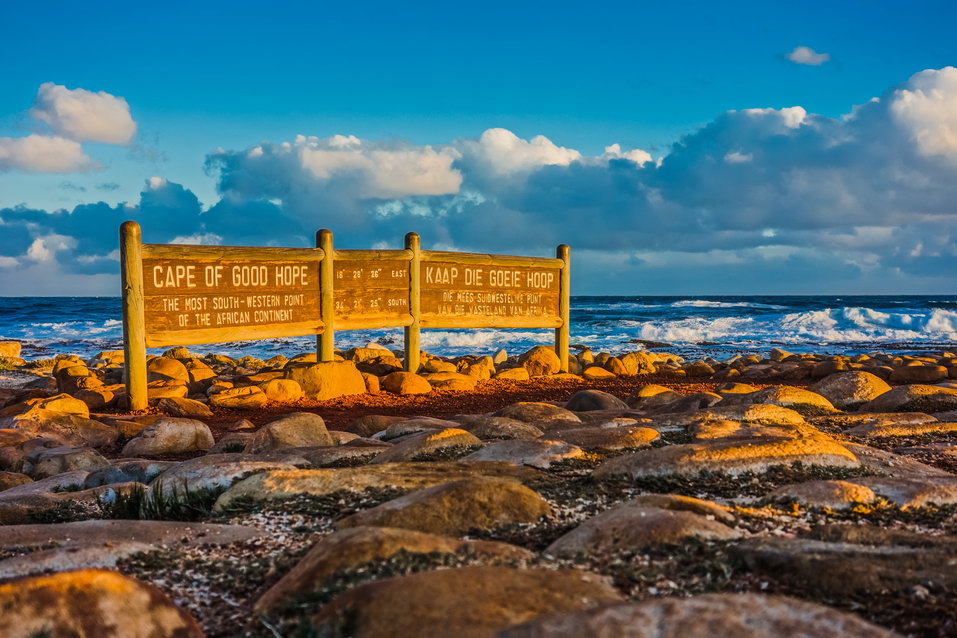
<point>638,495</point>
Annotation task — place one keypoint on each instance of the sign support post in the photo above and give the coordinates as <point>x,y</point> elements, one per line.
<point>325,341</point>
<point>563,252</point>
<point>134,322</point>
<point>412,331</point>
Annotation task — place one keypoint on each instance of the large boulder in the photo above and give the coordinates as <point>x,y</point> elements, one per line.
<point>405,383</point>
<point>9,349</point>
<point>97,603</point>
<point>183,407</point>
<point>352,547</point>
<point>282,390</point>
<point>919,374</point>
<point>327,379</point>
<point>244,398</point>
<point>455,508</point>
<point>44,462</point>
<point>297,429</point>
<point>540,361</point>
<point>849,390</point>
<point>467,602</point>
<point>720,615</point>
<point>170,436</point>
<point>166,369</point>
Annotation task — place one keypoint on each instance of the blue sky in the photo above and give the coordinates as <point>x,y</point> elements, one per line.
<point>747,202</point>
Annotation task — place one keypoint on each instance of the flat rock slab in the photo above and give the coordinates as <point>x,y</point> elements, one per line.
<point>73,557</point>
<point>890,464</point>
<point>109,531</point>
<point>738,615</point>
<point>467,602</point>
<point>633,526</point>
<point>540,453</point>
<point>355,546</point>
<point>456,508</point>
<point>218,471</point>
<point>286,484</point>
<point>732,457</point>
<point>425,443</point>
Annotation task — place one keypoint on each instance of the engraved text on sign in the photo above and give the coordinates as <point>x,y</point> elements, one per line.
<point>369,293</point>
<point>484,295</point>
<point>192,299</point>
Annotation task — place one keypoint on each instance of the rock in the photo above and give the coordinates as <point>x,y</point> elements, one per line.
<point>45,462</point>
<point>539,453</point>
<point>405,383</point>
<point>182,407</point>
<point>13,479</point>
<point>632,526</point>
<point>755,414</point>
<point>69,429</point>
<point>297,429</point>
<point>597,373</point>
<point>639,362</point>
<point>282,390</point>
<point>833,494</point>
<point>907,493</point>
<point>843,560</point>
<point>163,389</point>
<point>455,508</point>
<point>415,425</point>
<point>434,603</point>
<point>166,369</point>
<point>372,383</point>
<point>127,471</point>
<point>883,429</point>
<point>424,444</point>
<point>35,501</point>
<point>281,485</point>
<point>373,423</point>
<point>540,361</point>
<point>890,464</point>
<point>328,379</point>
<point>785,396</point>
<point>245,398</point>
<point>724,615</point>
<point>588,400</point>
<point>170,436</point>
<point>213,473</point>
<point>729,456</point>
<point>846,421</point>
<point>849,390</point>
<point>110,531</point>
<point>39,408</point>
<point>779,355</point>
<point>919,374</point>
<point>914,398</point>
<point>532,412</point>
<point>607,438</point>
<point>90,603</point>
<point>341,455</point>
<point>698,369</point>
<point>514,374</point>
<point>99,398</point>
<point>355,546</point>
<point>451,381</point>
<point>10,349</point>
<point>490,428</point>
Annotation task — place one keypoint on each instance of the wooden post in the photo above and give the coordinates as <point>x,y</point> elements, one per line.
<point>412,330</point>
<point>325,341</point>
<point>563,252</point>
<point>134,322</point>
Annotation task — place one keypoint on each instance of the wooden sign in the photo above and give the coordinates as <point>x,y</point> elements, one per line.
<point>371,289</point>
<point>494,292</point>
<point>208,294</point>
<point>182,295</point>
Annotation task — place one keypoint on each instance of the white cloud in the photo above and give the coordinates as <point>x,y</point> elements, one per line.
<point>43,154</point>
<point>927,107</point>
<point>44,249</point>
<point>503,152</point>
<point>736,157</point>
<point>636,155</point>
<point>8,262</point>
<point>808,56</point>
<point>85,116</point>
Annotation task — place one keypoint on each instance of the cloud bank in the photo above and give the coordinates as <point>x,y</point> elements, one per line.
<point>758,200</point>
<point>72,116</point>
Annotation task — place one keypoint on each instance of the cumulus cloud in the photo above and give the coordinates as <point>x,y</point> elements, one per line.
<point>43,154</point>
<point>808,56</point>
<point>84,116</point>
<point>767,200</point>
<point>73,116</point>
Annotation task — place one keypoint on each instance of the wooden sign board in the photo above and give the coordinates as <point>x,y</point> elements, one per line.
<point>500,293</point>
<point>183,295</point>
<point>371,289</point>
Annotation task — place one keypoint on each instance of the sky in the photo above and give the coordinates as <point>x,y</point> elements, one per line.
<point>679,148</point>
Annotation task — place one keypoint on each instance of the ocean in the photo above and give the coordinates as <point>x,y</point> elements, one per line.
<point>717,326</point>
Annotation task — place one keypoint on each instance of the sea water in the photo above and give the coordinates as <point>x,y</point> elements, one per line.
<point>691,326</point>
